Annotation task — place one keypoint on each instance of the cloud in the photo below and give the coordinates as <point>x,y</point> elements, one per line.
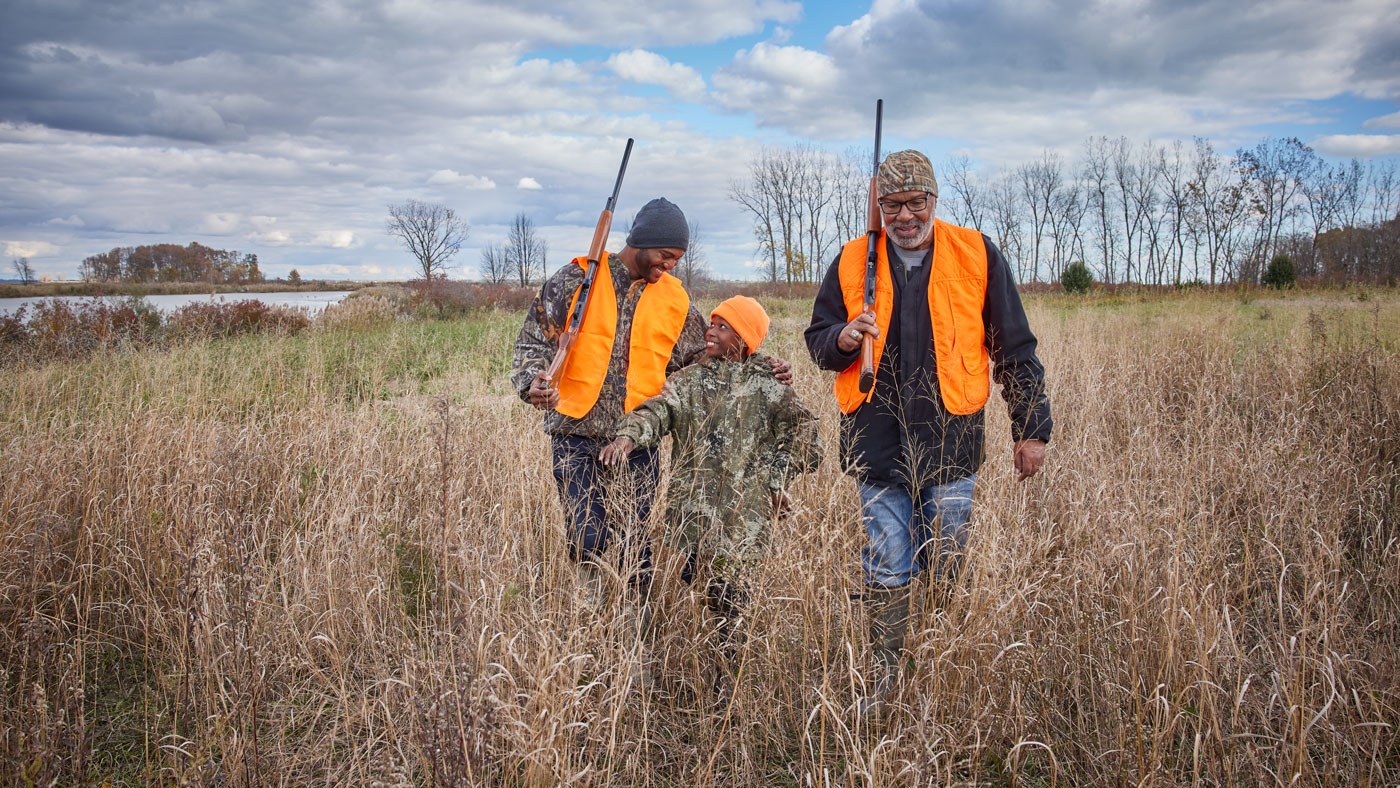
<point>787,78</point>
<point>30,249</point>
<point>1389,122</point>
<point>1361,146</point>
<point>529,184</point>
<point>337,239</point>
<point>942,68</point>
<point>649,68</point>
<point>454,178</point>
<point>69,221</point>
<point>220,223</point>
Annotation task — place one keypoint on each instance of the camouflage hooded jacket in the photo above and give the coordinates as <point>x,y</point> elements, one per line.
<point>737,436</point>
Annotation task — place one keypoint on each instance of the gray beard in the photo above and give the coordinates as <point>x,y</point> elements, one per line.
<point>919,240</point>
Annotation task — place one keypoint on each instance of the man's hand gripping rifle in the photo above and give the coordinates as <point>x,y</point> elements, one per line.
<point>595,254</point>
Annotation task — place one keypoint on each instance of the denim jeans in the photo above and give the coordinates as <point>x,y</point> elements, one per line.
<point>598,500</point>
<point>908,534</point>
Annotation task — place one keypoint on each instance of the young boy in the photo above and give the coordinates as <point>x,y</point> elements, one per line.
<point>737,437</point>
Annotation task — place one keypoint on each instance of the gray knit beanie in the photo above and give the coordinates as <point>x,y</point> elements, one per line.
<point>659,225</point>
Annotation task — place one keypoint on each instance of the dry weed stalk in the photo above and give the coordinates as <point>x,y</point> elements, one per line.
<point>279,564</point>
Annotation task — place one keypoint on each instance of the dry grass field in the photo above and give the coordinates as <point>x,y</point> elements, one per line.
<point>337,558</point>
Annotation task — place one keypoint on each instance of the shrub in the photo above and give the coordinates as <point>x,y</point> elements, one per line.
<point>1076,278</point>
<point>225,319</point>
<point>1280,273</point>
<point>67,329</point>
<point>356,313</point>
<point>444,298</point>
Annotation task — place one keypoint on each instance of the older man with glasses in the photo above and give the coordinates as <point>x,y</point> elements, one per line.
<point>945,306</point>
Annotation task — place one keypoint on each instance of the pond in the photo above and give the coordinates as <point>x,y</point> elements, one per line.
<point>312,301</point>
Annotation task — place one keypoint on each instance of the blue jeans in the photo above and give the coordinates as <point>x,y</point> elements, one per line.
<point>598,500</point>
<point>909,534</point>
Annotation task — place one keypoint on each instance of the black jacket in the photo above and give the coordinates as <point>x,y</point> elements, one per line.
<point>904,435</point>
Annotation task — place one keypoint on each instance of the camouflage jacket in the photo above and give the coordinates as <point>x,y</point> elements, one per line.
<point>737,436</point>
<point>549,317</point>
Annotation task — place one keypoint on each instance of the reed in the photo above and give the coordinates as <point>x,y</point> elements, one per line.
<point>336,557</point>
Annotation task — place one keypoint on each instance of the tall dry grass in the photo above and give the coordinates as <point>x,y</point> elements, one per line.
<point>336,558</point>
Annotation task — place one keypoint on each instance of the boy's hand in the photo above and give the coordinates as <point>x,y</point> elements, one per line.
<point>616,452</point>
<point>781,506</point>
<point>541,396</point>
<point>782,370</point>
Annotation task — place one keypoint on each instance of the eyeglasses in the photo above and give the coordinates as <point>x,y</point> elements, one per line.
<point>893,207</point>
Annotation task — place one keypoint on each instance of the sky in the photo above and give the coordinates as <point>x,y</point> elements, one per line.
<point>286,129</point>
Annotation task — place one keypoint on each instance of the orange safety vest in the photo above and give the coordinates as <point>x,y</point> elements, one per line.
<point>957,289</point>
<point>656,325</point>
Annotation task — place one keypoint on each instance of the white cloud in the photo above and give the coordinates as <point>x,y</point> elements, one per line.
<point>775,82</point>
<point>337,239</point>
<point>1389,122</point>
<point>529,184</point>
<point>30,249</point>
<point>273,238</point>
<point>71,221</point>
<point>454,178</point>
<point>220,223</point>
<point>649,68</point>
<point>1361,146</point>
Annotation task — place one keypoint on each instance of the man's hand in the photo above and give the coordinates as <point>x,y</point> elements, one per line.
<point>1027,457</point>
<point>542,396</point>
<point>782,370</point>
<point>616,452</point>
<point>849,339</point>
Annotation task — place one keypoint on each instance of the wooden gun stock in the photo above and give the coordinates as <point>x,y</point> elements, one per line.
<point>595,255</point>
<point>561,352</point>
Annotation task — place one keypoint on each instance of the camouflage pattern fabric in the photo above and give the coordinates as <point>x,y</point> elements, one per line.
<point>737,436</point>
<point>906,171</point>
<point>549,317</point>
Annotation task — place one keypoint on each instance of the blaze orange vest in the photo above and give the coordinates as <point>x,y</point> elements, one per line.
<point>957,288</point>
<point>656,326</point>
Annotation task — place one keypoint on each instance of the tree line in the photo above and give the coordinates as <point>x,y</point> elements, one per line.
<point>1156,213</point>
<point>172,263</point>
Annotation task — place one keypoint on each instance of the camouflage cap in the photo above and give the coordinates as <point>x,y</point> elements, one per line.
<point>906,171</point>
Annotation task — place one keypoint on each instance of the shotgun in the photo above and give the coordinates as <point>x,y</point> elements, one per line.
<point>872,260</point>
<point>595,254</point>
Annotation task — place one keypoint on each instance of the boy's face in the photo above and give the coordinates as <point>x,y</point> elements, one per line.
<point>722,341</point>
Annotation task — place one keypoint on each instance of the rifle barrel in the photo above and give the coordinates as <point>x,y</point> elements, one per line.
<point>595,256</point>
<point>872,258</point>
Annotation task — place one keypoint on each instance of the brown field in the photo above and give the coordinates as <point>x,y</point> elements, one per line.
<point>337,558</point>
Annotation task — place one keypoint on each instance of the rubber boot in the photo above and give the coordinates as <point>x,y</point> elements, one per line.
<point>636,625</point>
<point>726,603</point>
<point>590,585</point>
<point>888,609</point>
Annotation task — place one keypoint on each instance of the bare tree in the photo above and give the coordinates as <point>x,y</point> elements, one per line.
<point>1006,216</point>
<point>432,233</point>
<point>1039,182</point>
<point>799,199</point>
<point>1273,171</point>
<point>525,251</point>
<point>966,204</point>
<point>24,269</point>
<point>494,267</point>
<point>692,269</point>
<point>848,211</point>
<point>1098,185</point>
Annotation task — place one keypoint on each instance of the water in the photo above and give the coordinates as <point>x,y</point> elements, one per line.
<point>313,301</point>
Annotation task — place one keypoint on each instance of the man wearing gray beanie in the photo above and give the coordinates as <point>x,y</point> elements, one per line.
<point>640,326</point>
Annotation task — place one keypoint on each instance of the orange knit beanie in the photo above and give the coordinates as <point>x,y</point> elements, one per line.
<point>747,318</point>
